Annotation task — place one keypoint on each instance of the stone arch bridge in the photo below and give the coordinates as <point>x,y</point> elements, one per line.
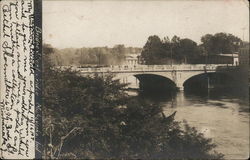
<point>178,74</point>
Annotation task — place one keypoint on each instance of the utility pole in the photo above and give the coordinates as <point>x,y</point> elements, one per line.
<point>205,52</point>
<point>81,59</point>
<point>243,29</point>
<point>208,82</point>
<point>171,53</point>
<point>99,58</point>
<point>206,58</point>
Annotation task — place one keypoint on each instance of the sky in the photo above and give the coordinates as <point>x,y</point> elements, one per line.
<point>92,23</point>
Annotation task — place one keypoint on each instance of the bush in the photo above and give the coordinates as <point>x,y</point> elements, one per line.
<point>93,118</point>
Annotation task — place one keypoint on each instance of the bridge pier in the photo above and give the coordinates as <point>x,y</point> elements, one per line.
<point>179,84</point>
<point>180,88</point>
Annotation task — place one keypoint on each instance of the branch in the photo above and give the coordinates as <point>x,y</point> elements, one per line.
<point>63,139</point>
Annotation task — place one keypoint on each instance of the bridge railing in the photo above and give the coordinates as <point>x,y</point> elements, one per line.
<point>140,68</point>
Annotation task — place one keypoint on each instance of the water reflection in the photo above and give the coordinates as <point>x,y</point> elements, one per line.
<point>222,115</point>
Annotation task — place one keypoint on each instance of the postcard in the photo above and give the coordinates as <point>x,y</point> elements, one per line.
<point>123,79</point>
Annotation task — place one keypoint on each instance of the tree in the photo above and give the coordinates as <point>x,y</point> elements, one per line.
<point>167,47</point>
<point>207,43</point>
<point>118,52</point>
<point>188,49</point>
<point>157,51</point>
<point>153,50</point>
<point>220,43</point>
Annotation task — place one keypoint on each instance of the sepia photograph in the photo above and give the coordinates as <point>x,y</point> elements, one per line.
<point>148,79</point>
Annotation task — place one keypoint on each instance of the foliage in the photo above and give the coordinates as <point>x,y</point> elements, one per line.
<point>95,55</point>
<point>157,51</point>
<point>220,43</point>
<point>93,118</point>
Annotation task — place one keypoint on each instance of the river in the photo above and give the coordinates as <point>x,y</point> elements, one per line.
<point>222,115</point>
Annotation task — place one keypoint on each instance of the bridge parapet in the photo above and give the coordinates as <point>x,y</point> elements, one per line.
<point>142,68</point>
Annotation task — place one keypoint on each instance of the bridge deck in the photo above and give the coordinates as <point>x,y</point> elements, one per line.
<point>149,68</point>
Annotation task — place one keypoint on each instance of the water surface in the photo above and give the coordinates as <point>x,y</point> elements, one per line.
<point>222,115</point>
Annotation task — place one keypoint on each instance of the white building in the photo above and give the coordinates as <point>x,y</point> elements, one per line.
<point>132,59</point>
<point>234,56</point>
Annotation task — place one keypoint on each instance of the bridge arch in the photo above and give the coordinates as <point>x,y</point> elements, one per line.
<point>157,82</point>
<point>207,80</point>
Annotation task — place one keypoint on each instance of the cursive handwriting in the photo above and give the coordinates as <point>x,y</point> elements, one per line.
<point>17,101</point>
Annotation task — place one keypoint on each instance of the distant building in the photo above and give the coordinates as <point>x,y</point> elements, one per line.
<point>132,59</point>
<point>234,58</point>
<point>244,56</point>
<point>244,60</point>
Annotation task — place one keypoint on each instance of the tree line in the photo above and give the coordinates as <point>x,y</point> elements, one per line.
<point>155,51</point>
<point>177,50</point>
<point>88,56</point>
